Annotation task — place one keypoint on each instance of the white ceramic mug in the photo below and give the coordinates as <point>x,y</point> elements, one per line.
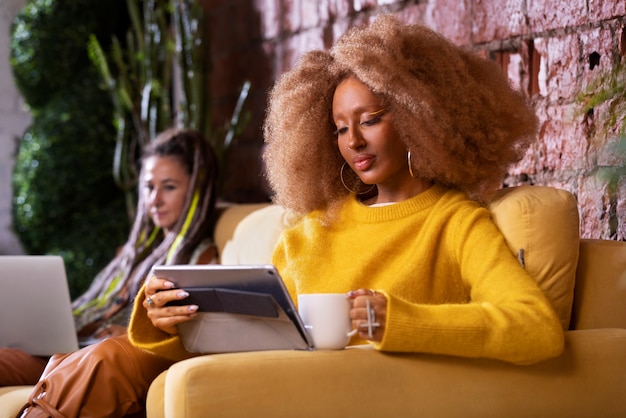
<point>326,316</point>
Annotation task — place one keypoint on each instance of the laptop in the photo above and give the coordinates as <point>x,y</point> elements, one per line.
<point>35,306</point>
<point>241,308</point>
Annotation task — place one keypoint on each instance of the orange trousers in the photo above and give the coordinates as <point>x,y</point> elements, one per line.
<point>108,379</point>
<point>19,368</point>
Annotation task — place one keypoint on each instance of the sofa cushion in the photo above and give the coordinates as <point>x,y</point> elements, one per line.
<point>255,236</point>
<point>541,225</point>
<point>12,399</point>
<point>229,217</point>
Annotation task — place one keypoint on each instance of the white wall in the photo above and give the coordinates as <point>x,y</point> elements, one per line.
<point>14,119</point>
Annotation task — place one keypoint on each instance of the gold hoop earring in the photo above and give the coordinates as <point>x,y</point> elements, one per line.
<point>343,166</point>
<point>408,158</point>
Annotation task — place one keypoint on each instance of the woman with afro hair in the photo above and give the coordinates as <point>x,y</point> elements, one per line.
<point>384,148</point>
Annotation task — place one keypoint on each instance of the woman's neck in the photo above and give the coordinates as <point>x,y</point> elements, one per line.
<point>388,195</point>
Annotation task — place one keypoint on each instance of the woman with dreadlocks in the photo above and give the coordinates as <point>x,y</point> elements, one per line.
<point>172,226</point>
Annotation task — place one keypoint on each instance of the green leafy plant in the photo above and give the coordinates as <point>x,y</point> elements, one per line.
<point>65,201</point>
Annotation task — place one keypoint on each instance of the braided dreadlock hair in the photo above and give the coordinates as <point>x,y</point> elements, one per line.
<point>118,283</point>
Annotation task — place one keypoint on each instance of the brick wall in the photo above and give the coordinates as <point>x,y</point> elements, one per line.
<point>550,49</point>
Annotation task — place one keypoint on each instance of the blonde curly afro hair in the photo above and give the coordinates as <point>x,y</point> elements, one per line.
<point>454,111</point>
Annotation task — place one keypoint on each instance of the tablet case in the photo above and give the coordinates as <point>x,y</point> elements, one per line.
<point>211,299</point>
<point>233,320</point>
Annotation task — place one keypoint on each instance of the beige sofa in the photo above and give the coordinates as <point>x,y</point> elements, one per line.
<point>585,279</point>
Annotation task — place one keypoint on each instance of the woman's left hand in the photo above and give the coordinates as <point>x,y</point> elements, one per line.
<point>368,313</point>
<point>159,292</point>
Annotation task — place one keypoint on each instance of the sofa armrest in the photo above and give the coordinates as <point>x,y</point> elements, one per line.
<point>600,291</point>
<point>588,379</point>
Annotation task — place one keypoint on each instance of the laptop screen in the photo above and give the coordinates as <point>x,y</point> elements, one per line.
<point>35,305</point>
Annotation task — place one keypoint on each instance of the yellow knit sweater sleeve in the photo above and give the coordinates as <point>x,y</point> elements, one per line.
<point>144,335</point>
<point>452,284</point>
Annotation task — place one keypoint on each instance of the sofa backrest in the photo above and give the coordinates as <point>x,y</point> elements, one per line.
<point>253,239</point>
<point>541,225</point>
<point>540,222</point>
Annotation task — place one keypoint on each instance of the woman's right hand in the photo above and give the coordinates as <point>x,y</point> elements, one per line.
<point>158,293</point>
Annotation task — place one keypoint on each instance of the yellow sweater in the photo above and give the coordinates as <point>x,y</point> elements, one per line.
<point>452,284</point>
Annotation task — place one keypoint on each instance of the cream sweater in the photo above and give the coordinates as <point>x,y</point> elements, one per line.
<point>452,284</point>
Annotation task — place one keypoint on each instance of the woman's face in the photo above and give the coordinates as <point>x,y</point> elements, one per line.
<point>164,184</point>
<point>367,138</point>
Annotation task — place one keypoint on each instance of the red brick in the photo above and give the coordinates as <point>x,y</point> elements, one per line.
<point>323,9</point>
<point>541,50</point>
<point>300,43</point>
<point>606,9</point>
<point>527,165</point>
<point>413,14</point>
<point>339,28</point>
<point>289,55</point>
<point>621,211</point>
<point>561,147</point>
<point>600,41</point>
<point>362,5</point>
<point>563,67</point>
<point>576,145</point>
<point>339,9</point>
<point>496,20</point>
<point>517,70</point>
<point>546,15</point>
<point>593,206</point>
<point>311,14</point>
<point>269,16</point>
<point>451,18</point>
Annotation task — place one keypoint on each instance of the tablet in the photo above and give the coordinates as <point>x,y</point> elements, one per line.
<point>236,292</point>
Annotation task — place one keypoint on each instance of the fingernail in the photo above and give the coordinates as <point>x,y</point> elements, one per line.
<point>169,284</point>
<point>182,294</point>
<point>350,294</point>
<point>193,308</point>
